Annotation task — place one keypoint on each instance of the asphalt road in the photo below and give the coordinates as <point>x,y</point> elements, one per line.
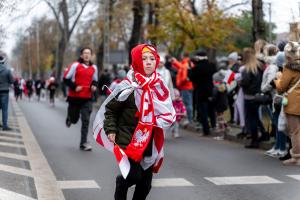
<point>189,172</point>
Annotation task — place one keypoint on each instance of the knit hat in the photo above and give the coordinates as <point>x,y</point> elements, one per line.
<point>51,79</point>
<point>176,93</point>
<point>136,57</point>
<point>219,76</point>
<point>292,53</point>
<point>199,56</point>
<point>280,59</point>
<point>162,59</point>
<point>233,56</point>
<point>121,74</point>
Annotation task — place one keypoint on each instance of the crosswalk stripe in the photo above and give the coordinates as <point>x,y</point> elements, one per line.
<point>171,182</point>
<point>10,139</point>
<point>11,145</point>
<point>14,156</point>
<point>16,170</point>
<point>78,184</point>
<point>10,133</point>
<point>242,180</point>
<point>9,195</point>
<point>296,177</point>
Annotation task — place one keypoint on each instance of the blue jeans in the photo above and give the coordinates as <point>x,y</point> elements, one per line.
<point>187,97</point>
<point>4,107</point>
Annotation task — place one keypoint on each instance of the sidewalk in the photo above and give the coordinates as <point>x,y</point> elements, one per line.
<point>24,171</point>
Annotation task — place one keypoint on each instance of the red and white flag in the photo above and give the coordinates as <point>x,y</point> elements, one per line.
<point>229,76</point>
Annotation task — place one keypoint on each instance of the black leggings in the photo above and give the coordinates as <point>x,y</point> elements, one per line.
<point>85,110</point>
<point>137,176</point>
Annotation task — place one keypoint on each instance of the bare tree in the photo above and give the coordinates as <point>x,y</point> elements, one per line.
<point>7,8</point>
<point>64,12</point>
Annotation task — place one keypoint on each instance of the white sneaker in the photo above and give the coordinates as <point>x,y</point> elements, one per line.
<point>271,151</point>
<point>86,147</point>
<point>176,135</point>
<point>279,153</point>
<point>219,138</point>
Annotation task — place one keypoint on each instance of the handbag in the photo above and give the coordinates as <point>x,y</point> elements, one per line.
<point>263,98</point>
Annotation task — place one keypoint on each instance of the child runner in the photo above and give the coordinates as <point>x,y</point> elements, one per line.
<point>131,121</point>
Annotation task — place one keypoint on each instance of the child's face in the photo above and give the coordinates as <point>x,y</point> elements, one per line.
<point>149,63</point>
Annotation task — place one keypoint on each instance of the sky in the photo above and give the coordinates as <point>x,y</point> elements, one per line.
<point>283,12</point>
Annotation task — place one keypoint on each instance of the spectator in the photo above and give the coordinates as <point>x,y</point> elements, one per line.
<point>220,101</point>
<point>180,113</point>
<point>234,66</point>
<point>201,76</point>
<point>6,79</point>
<point>289,82</point>
<point>251,82</point>
<point>184,85</point>
<point>166,76</point>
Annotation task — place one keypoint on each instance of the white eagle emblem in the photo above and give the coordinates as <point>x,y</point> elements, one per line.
<point>141,137</point>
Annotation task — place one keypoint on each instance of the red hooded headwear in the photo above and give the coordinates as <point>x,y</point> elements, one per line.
<point>136,57</point>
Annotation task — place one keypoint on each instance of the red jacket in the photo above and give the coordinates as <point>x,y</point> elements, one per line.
<point>81,75</point>
<point>182,80</point>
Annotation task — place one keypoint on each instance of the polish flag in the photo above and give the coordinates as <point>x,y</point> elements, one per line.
<point>229,76</point>
<point>122,160</point>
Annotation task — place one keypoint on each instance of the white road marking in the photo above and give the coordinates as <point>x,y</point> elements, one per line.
<point>16,170</point>
<point>296,177</point>
<point>78,184</point>
<point>11,133</point>
<point>11,138</point>
<point>44,178</point>
<point>12,145</point>
<point>171,182</point>
<point>14,156</point>
<point>9,195</point>
<point>242,180</point>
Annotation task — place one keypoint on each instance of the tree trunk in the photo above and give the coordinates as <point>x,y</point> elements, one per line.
<point>60,59</point>
<point>138,14</point>
<point>258,31</point>
<point>211,54</point>
<point>100,55</point>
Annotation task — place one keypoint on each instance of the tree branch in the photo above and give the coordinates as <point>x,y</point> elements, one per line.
<point>236,4</point>
<point>55,14</point>
<point>76,20</point>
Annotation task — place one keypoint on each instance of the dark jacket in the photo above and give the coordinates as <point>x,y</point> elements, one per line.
<point>6,78</point>
<point>220,100</point>
<point>120,118</point>
<point>251,82</point>
<point>201,76</point>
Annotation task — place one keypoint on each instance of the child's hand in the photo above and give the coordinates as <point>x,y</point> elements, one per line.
<point>93,88</point>
<point>112,137</point>
<point>278,75</point>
